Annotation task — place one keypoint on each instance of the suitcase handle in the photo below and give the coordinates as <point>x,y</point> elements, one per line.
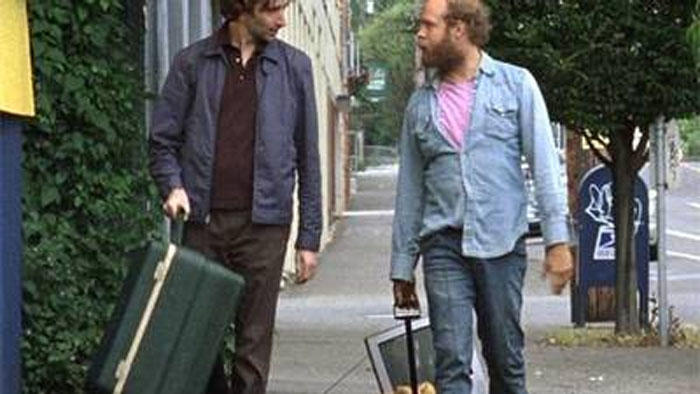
<point>412,370</point>
<point>174,229</point>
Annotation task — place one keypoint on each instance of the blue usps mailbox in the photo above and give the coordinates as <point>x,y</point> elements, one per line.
<point>596,262</point>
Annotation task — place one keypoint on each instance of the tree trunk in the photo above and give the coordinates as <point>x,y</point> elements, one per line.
<point>626,311</point>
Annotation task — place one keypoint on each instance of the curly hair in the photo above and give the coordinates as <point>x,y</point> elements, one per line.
<point>475,15</point>
<point>232,9</point>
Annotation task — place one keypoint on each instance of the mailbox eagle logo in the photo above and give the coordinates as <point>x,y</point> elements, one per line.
<point>600,209</point>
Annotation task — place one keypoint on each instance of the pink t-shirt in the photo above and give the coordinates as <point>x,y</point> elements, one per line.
<point>455,104</point>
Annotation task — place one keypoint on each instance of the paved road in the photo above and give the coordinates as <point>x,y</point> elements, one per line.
<point>683,238</point>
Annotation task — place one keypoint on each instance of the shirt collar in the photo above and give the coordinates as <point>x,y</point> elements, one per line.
<point>271,51</point>
<point>487,67</point>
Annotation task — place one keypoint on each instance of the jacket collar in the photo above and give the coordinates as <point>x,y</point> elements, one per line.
<point>214,47</point>
<point>487,66</point>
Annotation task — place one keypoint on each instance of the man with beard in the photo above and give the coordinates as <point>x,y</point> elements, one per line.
<point>235,123</point>
<point>461,200</point>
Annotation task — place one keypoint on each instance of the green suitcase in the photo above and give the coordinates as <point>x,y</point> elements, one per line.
<point>168,327</point>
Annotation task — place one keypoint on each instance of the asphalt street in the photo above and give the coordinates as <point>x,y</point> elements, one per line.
<point>683,238</point>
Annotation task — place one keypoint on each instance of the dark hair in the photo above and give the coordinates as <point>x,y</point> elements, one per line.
<point>475,15</point>
<point>233,9</point>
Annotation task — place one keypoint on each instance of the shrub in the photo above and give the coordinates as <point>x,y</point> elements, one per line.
<point>690,134</point>
<point>86,188</point>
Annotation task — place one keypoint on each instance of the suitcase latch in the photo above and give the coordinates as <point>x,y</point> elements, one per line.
<point>159,274</point>
<point>121,367</point>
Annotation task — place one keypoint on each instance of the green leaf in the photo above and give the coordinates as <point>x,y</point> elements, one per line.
<point>72,83</point>
<point>49,194</point>
<point>30,289</point>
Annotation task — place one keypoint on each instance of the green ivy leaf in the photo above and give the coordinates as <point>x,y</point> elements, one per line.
<point>73,83</point>
<point>49,194</point>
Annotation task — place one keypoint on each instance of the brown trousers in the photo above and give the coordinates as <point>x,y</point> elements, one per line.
<point>256,252</point>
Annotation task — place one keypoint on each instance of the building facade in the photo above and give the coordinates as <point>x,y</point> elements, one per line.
<point>316,26</point>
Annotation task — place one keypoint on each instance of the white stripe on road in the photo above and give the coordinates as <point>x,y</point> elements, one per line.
<point>347,214</point>
<point>691,168</point>
<point>682,234</point>
<point>694,205</point>
<point>386,316</point>
<point>686,256</point>
<point>677,277</point>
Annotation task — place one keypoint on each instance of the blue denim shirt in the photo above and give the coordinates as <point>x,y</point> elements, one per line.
<point>480,189</point>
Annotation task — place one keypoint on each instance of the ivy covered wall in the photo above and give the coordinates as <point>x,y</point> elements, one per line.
<point>87,196</point>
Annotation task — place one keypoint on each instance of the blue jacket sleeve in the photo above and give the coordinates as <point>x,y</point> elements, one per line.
<point>308,167</point>
<point>166,132</point>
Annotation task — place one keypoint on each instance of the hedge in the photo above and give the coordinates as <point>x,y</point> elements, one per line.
<point>86,190</point>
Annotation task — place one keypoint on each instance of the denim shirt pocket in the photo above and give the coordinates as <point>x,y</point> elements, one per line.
<point>430,142</point>
<point>502,118</point>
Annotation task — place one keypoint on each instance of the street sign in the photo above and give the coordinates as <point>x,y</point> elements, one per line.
<point>596,265</point>
<point>378,81</point>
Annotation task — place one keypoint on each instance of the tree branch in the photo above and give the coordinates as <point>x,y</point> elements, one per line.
<point>644,159</point>
<point>590,139</point>
<point>641,154</point>
<point>596,138</point>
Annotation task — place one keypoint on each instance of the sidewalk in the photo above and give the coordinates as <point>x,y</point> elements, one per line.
<point>321,326</point>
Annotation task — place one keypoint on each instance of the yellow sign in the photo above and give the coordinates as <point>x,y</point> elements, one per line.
<point>16,89</point>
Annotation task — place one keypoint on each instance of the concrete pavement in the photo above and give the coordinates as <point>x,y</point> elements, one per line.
<point>321,326</point>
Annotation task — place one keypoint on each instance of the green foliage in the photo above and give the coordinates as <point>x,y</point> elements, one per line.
<point>690,134</point>
<point>86,188</point>
<point>388,39</point>
<point>603,65</point>
<point>359,10</point>
<point>693,34</point>
<point>680,335</point>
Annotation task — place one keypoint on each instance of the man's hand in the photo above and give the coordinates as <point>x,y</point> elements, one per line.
<point>307,264</point>
<point>405,295</point>
<point>558,266</point>
<point>177,203</point>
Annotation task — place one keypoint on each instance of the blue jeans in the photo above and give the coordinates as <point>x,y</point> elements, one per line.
<point>458,285</point>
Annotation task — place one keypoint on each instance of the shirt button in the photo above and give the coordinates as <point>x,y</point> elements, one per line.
<point>241,77</point>
<point>238,60</point>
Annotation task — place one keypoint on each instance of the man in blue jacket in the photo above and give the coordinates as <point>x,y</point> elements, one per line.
<point>234,125</point>
<point>461,198</point>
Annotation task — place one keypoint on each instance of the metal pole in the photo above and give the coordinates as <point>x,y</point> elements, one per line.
<point>411,357</point>
<point>661,228</point>
<point>10,254</point>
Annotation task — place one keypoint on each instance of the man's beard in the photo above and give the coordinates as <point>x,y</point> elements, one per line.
<point>260,34</point>
<point>444,57</point>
